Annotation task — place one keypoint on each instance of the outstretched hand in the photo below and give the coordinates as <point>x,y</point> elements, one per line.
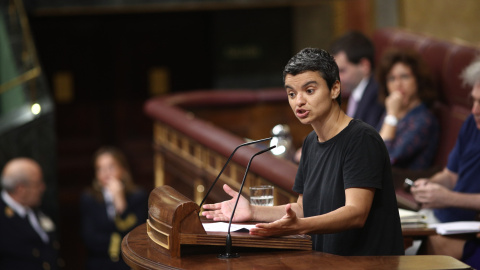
<point>287,225</point>
<point>222,211</point>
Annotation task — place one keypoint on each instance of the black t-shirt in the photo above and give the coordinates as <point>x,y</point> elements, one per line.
<point>354,158</point>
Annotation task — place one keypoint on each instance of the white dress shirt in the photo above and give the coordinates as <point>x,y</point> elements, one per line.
<point>356,96</point>
<point>108,197</point>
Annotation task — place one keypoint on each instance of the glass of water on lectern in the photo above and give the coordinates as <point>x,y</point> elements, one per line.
<point>261,195</point>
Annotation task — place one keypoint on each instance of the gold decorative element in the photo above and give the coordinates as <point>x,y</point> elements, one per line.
<point>30,54</point>
<point>63,87</point>
<point>159,78</point>
<point>25,77</point>
<point>9,212</point>
<point>127,223</point>
<point>114,247</point>
<point>46,223</point>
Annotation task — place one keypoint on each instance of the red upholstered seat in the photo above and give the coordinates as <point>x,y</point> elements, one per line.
<point>458,57</point>
<point>446,60</point>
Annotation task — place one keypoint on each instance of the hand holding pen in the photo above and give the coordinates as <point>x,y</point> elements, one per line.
<point>429,194</point>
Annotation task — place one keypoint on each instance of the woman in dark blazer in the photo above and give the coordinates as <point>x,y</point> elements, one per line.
<point>110,208</point>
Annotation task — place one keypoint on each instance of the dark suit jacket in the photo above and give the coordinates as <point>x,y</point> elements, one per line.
<point>20,245</point>
<point>369,110</point>
<point>103,236</point>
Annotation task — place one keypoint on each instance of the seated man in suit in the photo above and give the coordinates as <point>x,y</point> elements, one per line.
<point>27,235</point>
<point>354,54</point>
<point>454,193</point>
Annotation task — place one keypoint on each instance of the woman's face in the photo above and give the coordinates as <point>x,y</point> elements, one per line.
<point>107,168</point>
<point>401,79</point>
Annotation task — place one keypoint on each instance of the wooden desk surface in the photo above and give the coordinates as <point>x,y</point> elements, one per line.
<point>139,252</point>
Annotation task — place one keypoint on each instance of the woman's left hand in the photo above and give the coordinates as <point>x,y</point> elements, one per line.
<point>287,225</point>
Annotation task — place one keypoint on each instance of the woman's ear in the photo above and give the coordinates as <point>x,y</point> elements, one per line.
<point>335,90</point>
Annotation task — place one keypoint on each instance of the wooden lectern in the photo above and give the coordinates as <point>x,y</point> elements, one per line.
<point>173,221</point>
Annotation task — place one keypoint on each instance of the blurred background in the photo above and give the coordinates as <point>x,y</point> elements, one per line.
<point>74,75</point>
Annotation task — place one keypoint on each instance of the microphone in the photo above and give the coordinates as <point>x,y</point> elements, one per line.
<point>224,166</point>
<point>228,245</point>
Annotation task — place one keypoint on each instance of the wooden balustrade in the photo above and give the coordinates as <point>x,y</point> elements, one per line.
<point>191,151</point>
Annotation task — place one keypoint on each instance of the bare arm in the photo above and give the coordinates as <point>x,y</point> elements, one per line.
<point>353,215</point>
<point>445,178</point>
<point>270,214</point>
<point>245,212</point>
<point>464,200</point>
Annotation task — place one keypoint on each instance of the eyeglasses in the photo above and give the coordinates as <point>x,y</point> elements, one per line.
<point>401,77</point>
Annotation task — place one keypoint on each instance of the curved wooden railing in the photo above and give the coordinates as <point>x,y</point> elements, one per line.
<point>191,151</point>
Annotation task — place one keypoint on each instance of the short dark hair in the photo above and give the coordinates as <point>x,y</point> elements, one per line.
<point>392,56</point>
<point>313,59</point>
<point>356,46</point>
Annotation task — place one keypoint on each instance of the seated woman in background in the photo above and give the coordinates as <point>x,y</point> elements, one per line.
<point>110,208</point>
<point>409,129</point>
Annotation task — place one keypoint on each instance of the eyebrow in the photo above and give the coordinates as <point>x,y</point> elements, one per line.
<point>308,83</point>
<point>303,86</point>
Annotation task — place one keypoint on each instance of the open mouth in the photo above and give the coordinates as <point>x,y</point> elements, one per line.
<point>301,113</point>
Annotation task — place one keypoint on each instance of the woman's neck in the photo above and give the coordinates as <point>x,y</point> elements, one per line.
<point>333,125</point>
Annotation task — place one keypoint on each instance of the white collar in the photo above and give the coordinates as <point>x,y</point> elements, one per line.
<point>18,208</point>
<point>360,89</point>
<point>107,195</point>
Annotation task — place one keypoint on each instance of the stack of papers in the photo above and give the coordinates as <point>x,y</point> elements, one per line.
<point>411,219</point>
<point>223,227</point>
<point>457,227</point>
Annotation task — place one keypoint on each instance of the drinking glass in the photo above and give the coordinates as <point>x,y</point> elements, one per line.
<point>261,195</point>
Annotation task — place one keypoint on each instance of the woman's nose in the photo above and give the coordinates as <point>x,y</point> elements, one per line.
<point>300,99</point>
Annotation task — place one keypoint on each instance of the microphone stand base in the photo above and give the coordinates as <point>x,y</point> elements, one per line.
<point>228,255</point>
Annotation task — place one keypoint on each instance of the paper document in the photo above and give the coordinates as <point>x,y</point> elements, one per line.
<point>409,214</point>
<point>411,219</point>
<point>223,227</point>
<point>457,227</point>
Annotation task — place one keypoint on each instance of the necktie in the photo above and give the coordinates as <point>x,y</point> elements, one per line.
<point>36,226</point>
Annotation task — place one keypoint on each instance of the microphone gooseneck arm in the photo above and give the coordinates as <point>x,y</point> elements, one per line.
<point>228,247</point>
<point>224,166</point>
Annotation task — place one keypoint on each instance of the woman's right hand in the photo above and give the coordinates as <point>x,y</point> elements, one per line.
<point>222,211</point>
<point>116,188</point>
<point>394,103</point>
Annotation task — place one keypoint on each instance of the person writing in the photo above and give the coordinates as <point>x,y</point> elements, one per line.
<point>347,201</point>
<point>110,209</point>
<point>410,130</point>
<point>453,194</point>
<point>27,235</point>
